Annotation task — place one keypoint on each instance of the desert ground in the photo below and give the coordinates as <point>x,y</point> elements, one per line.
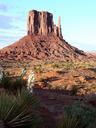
<point>57,84</point>
<point>57,75</point>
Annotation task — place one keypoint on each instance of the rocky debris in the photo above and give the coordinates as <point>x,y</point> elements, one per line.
<point>40,48</point>
<point>41,23</point>
<point>91,55</point>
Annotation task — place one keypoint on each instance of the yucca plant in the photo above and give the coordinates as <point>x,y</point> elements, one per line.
<point>74,89</point>
<point>5,81</point>
<point>17,85</point>
<point>69,121</point>
<point>85,113</point>
<point>19,82</point>
<point>26,98</point>
<point>15,113</point>
<point>31,80</point>
<point>93,125</point>
<point>11,85</point>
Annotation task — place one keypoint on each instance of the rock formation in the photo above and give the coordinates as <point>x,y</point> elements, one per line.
<point>44,41</point>
<point>41,23</point>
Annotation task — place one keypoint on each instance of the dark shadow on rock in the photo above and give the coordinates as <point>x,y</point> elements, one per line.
<point>93,69</point>
<point>62,72</point>
<point>48,119</point>
<point>91,99</point>
<point>90,78</point>
<point>50,79</point>
<point>47,81</point>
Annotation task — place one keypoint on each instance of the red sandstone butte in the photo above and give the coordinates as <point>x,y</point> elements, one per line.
<point>43,41</point>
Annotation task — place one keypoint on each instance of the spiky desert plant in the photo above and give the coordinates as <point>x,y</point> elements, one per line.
<point>69,121</point>
<point>23,72</point>
<point>85,113</point>
<point>5,81</point>
<point>15,114</point>
<point>25,98</point>
<point>93,125</point>
<point>12,85</point>
<point>1,74</point>
<point>38,68</point>
<point>31,80</point>
<point>19,82</point>
<point>74,89</point>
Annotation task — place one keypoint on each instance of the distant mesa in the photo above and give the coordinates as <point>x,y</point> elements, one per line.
<point>41,23</point>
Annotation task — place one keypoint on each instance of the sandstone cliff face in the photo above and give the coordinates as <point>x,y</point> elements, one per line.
<point>41,23</point>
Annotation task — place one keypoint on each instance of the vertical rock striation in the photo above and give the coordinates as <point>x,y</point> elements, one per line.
<point>41,23</point>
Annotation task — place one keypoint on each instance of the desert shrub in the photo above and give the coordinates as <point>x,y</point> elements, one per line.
<point>17,112</point>
<point>56,65</point>
<point>26,98</point>
<point>69,121</point>
<point>86,114</point>
<point>93,125</point>
<point>91,99</point>
<point>31,81</point>
<point>68,65</point>
<point>18,84</point>
<point>10,84</point>
<point>5,82</point>
<point>38,68</point>
<point>90,88</point>
<point>75,89</point>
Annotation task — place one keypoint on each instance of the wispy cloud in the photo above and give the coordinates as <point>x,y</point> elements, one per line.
<point>6,40</point>
<point>5,22</point>
<point>12,29</point>
<point>3,7</point>
<point>11,33</point>
<point>9,22</point>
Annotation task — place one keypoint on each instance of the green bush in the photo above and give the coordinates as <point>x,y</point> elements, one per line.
<point>5,82</point>
<point>38,68</point>
<point>18,84</point>
<point>74,89</point>
<point>69,121</point>
<point>17,112</point>
<point>85,113</point>
<point>26,98</point>
<point>56,65</point>
<point>12,84</point>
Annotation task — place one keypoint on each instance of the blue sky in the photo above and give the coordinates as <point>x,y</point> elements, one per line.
<point>78,19</point>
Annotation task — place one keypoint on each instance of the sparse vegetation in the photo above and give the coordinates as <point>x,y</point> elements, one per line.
<point>86,114</point>
<point>12,84</point>
<point>18,111</point>
<point>69,121</point>
<point>67,77</point>
<point>38,68</point>
<point>75,89</point>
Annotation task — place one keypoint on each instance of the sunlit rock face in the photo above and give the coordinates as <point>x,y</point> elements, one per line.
<point>41,23</point>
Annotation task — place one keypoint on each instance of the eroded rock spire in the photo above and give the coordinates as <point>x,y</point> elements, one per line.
<point>59,27</point>
<point>41,23</point>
